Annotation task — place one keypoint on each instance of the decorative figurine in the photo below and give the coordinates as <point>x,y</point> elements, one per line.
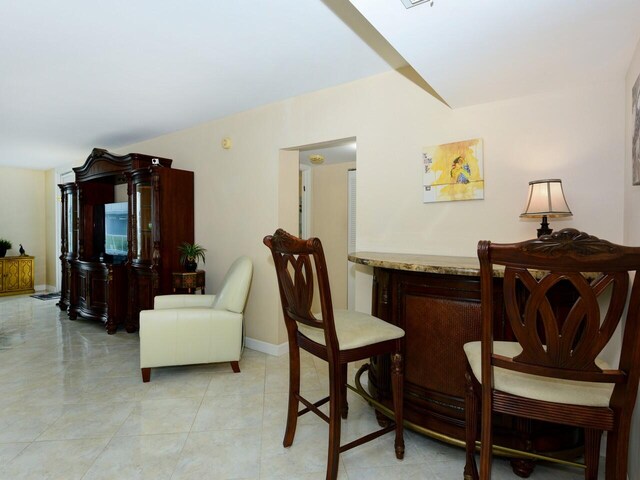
<point>21,251</point>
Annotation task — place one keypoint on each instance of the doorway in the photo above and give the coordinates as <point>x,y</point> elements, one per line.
<point>327,210</point>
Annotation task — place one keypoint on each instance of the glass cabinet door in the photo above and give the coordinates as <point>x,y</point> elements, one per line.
<point>72,221</point>
<point>143,246</point>
<point>69,219</point>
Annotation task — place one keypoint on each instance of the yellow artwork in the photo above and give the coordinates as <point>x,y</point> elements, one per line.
<point>453,171</point>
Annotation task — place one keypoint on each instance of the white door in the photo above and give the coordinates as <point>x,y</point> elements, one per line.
<point>351,235</point>
<point>305,201</point>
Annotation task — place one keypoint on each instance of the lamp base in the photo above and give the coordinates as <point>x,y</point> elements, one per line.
<point>544,227</point>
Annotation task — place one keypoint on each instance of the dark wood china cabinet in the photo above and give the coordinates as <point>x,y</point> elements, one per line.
<point>122,221</point>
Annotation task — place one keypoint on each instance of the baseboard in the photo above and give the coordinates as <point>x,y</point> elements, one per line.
<point>264,347</point>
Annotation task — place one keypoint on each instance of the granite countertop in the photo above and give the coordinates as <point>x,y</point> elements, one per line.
<point>422,263</point>
<point>442,264</point>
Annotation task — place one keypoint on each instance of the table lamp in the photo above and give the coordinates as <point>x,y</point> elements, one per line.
<point>546,199</point>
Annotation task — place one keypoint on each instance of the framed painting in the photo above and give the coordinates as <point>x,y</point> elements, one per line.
<point>635,145</point>
<point>453,171</point>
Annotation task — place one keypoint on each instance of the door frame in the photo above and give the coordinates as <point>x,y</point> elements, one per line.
<point>63,175</point>
<point>306,208</point>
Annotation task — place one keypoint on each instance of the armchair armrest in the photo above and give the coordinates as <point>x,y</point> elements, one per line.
<point>162,302</point>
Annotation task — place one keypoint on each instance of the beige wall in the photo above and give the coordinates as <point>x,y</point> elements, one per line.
<point>52,204</point>
<point>288,194</point>
<point>329,222</point>
<point>575,135</point>
<point>632,231</point>
<point>22,215</point>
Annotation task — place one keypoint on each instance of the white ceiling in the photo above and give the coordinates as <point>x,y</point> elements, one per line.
<point>80,74</point>
<point>473,51</point>
<point>333,152</point>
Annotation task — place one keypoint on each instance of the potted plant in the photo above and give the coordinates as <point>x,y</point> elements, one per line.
<point>4,246</point>
<point>190,253</point>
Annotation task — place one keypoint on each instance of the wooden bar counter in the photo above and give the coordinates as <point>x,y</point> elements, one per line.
<point>436,300</point>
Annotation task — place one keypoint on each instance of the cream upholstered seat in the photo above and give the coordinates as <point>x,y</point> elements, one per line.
<point>191,329</point>
<point>354,329</point>
<point>547,389</point>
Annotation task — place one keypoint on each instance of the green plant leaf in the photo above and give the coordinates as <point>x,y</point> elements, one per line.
<point>192,252</point>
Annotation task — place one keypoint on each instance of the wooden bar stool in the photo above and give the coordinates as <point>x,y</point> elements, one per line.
<point>336,336</point>
<point>552,372</point>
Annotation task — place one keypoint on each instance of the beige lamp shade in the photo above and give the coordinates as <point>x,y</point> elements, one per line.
<point>546,198</point>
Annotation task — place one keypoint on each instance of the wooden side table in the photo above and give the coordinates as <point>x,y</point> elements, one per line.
<point>189,281</point>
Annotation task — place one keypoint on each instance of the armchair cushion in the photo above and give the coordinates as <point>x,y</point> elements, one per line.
<point>235,286</point>
<point>189,335</point>
<point>183,301</point>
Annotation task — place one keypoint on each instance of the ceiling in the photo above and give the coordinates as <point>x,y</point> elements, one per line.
<point>332,152</point>
<point>77,75</point>
<point>474,51</point>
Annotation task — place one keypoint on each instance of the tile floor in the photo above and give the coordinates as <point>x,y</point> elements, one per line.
<point>73,406</point>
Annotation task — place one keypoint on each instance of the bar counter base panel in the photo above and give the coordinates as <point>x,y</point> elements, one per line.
<point>522,462</point>
<point>436,300</point>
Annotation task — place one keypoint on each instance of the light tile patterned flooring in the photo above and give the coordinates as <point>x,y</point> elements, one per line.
<point>73,406</point>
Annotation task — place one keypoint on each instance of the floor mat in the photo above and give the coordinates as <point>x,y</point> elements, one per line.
<point>46,296</point>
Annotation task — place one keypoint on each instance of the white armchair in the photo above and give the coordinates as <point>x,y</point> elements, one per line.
<point>190,329</point>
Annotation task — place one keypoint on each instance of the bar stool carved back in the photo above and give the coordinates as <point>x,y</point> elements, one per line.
<point>337,336</point>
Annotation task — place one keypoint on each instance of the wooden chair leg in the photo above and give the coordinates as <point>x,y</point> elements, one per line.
<point>592,452</point>
<point>486,433</point>
<point>618,450</point>
<point>335,406</point>
<point>294,392</point>
<point>471,427</point>
<point>146,374</point>
<point>235,366</point>
<point>344,409</point>
<point>397,383</point>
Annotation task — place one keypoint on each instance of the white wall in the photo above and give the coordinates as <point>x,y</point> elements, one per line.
<point>632,231</point>
<point>575,135</point>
